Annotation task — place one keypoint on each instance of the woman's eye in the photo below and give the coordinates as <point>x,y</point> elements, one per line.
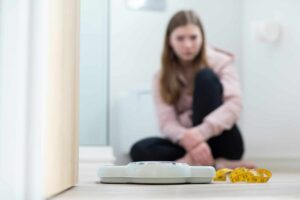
<point>180,38</point>
<point>193,37</point>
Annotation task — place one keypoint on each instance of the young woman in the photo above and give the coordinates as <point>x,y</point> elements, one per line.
<point>198,101</point>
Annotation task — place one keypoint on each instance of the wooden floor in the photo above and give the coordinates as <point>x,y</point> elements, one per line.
<point>283,185</point>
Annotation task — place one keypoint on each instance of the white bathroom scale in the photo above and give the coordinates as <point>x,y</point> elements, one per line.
<point>156,172</point>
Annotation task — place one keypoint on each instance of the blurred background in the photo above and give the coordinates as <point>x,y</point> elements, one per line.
<point>120,46</point>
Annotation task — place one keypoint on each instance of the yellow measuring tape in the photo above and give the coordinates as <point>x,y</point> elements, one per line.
<point>243,175</point>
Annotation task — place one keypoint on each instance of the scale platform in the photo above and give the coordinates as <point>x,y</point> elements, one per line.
<point>156,172</point>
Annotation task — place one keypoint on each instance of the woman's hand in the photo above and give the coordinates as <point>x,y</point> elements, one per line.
<point>195,145</point>
<point>191,139</point>
<point>201,154</point>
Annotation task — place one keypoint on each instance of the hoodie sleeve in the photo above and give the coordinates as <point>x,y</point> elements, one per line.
<point>167,115</point>
<point>225,116</point>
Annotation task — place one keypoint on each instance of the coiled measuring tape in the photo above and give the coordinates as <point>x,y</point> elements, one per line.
<point>243,175</point>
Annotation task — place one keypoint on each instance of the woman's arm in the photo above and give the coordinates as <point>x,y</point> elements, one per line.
<point>225,116</point>
<point>167,115</point>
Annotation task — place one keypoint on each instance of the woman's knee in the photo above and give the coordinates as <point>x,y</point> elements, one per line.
<point>137,151</point>
<point>208,79</point>
<point>140,151</point>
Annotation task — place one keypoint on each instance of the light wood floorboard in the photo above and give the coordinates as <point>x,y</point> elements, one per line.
<point>283,185</point>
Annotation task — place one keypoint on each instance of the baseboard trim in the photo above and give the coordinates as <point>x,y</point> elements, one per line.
<point>96,154</point>
<point>105,155</point>
<point>277,164</point>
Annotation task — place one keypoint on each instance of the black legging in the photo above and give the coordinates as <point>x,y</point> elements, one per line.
<point>207,97</point>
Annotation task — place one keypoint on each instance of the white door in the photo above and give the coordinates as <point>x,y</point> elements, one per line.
<point>61,146</point>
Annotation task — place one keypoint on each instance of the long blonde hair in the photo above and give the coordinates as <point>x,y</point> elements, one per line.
<point>170,84</point>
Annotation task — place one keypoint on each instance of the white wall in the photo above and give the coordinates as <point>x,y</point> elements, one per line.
<point>269,72</point>
<point>136,44</point>
<point>93,72</point>
<point>271,79</point>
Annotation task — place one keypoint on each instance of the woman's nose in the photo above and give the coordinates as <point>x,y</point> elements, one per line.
<point>188,43</point>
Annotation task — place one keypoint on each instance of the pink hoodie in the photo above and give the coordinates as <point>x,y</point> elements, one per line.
<point>175,120</point>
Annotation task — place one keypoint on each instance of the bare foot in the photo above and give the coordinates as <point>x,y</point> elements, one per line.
<point>186,159</point>
<point>225,163</point>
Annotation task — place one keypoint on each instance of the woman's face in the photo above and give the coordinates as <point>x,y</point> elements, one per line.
<point>186,42</point>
